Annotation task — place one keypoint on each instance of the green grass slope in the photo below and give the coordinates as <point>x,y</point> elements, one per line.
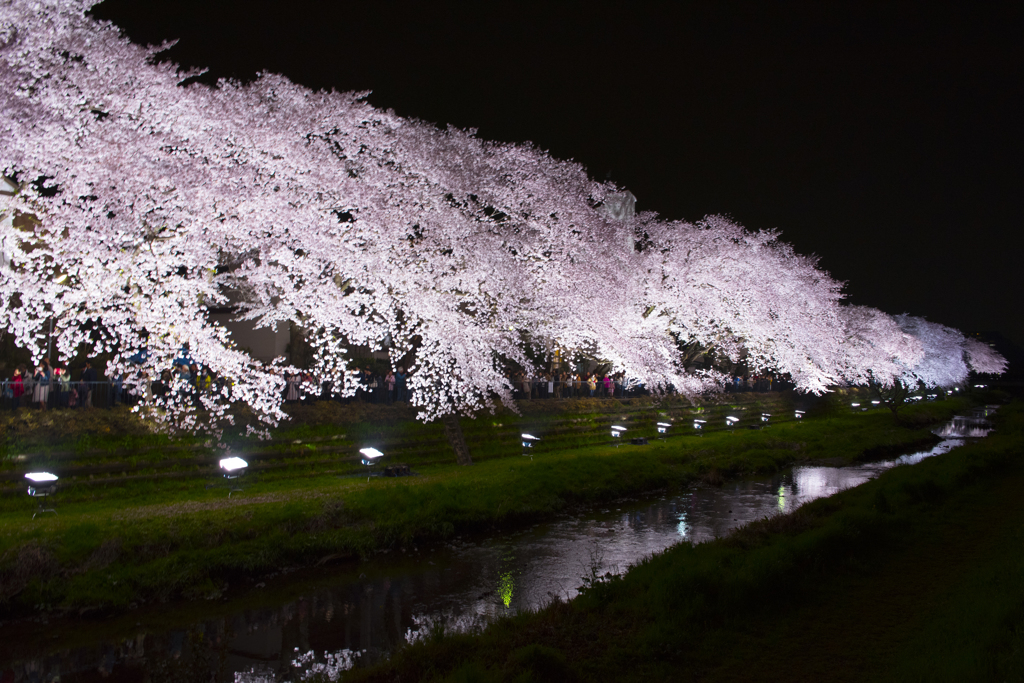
<point>149,537</point>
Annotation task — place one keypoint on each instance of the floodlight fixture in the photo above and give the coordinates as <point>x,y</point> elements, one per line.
<point>699,424</point>
<point>765,417</point>
<point>234,467</point>
<point>731,421</point>
<point>980,386</point>
<point>527,440</point>
<point>371,453</point>
<point>855,405</point>
<point>875,403</point>
<point>799,414</point>
<point>370,458</point>
<point>617,433</point>
<point>43,484</point>
<point>663,427</point>
<point>233,464</point>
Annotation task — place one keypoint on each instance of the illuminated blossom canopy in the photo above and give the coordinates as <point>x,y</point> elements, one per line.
<point>143,203</point>
<point>877,348</point>
<point>947,356</point>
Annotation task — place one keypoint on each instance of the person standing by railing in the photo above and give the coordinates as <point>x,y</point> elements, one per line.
<point>370,380</point>
<point>291,394</point>
<point>184,381</point>
<point>87,382</point>
<point>118,387</point>
<point>65,387</point>
<point>389,385</point>
<point>42,376</point>
<point>400,384</point>
<point>18,387</point>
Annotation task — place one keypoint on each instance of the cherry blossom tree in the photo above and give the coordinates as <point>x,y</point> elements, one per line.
<point>983,359</point>
<point>143,202</point>
<point>161,201</point>
<point>878,351</point>
<point>921,355</point>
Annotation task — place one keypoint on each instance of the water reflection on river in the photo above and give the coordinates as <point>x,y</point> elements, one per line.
<point>363,613</point>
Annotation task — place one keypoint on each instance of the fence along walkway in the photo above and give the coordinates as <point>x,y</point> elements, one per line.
<point>106,394</point>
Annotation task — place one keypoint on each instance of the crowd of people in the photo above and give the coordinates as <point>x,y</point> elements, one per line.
<point>760,383</point>
<point>371,387</point>
<point>605,385</point>
<point>45,386</point>
<point>54,387</point>
<point>572,385</point>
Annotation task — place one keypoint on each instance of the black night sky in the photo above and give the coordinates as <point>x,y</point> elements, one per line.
<point>884,138</point>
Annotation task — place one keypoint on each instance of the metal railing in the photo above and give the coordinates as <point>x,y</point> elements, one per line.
<point>106,393</point>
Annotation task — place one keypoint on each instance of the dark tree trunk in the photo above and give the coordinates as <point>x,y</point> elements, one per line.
<point>894,397</point>
<point>453,430</point>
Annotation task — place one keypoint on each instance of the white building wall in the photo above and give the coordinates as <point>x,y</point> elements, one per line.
<point>263,344</point>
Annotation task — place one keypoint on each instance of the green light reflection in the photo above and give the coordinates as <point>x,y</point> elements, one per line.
<point>505,586</point>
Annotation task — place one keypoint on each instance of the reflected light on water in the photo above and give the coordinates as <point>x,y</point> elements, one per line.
<point>505,587</point>
<point>358,615</point>
<point>815,482</point>
<point>684,530</point>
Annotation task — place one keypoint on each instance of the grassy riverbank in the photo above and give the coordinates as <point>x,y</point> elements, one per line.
<point>150,537</point>
<point>914,576</point>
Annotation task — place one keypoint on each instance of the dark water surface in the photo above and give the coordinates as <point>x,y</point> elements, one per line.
<point>299,623</point>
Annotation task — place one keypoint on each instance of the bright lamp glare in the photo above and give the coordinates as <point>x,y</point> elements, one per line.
<point>232,464</point>
<point>371,453</point>
<point>531,437</point>
<point>41,476</point>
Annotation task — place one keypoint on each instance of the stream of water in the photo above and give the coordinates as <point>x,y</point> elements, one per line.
<point>339,618</point>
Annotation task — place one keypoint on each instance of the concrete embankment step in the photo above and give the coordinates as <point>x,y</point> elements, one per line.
<point>497,436</point>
